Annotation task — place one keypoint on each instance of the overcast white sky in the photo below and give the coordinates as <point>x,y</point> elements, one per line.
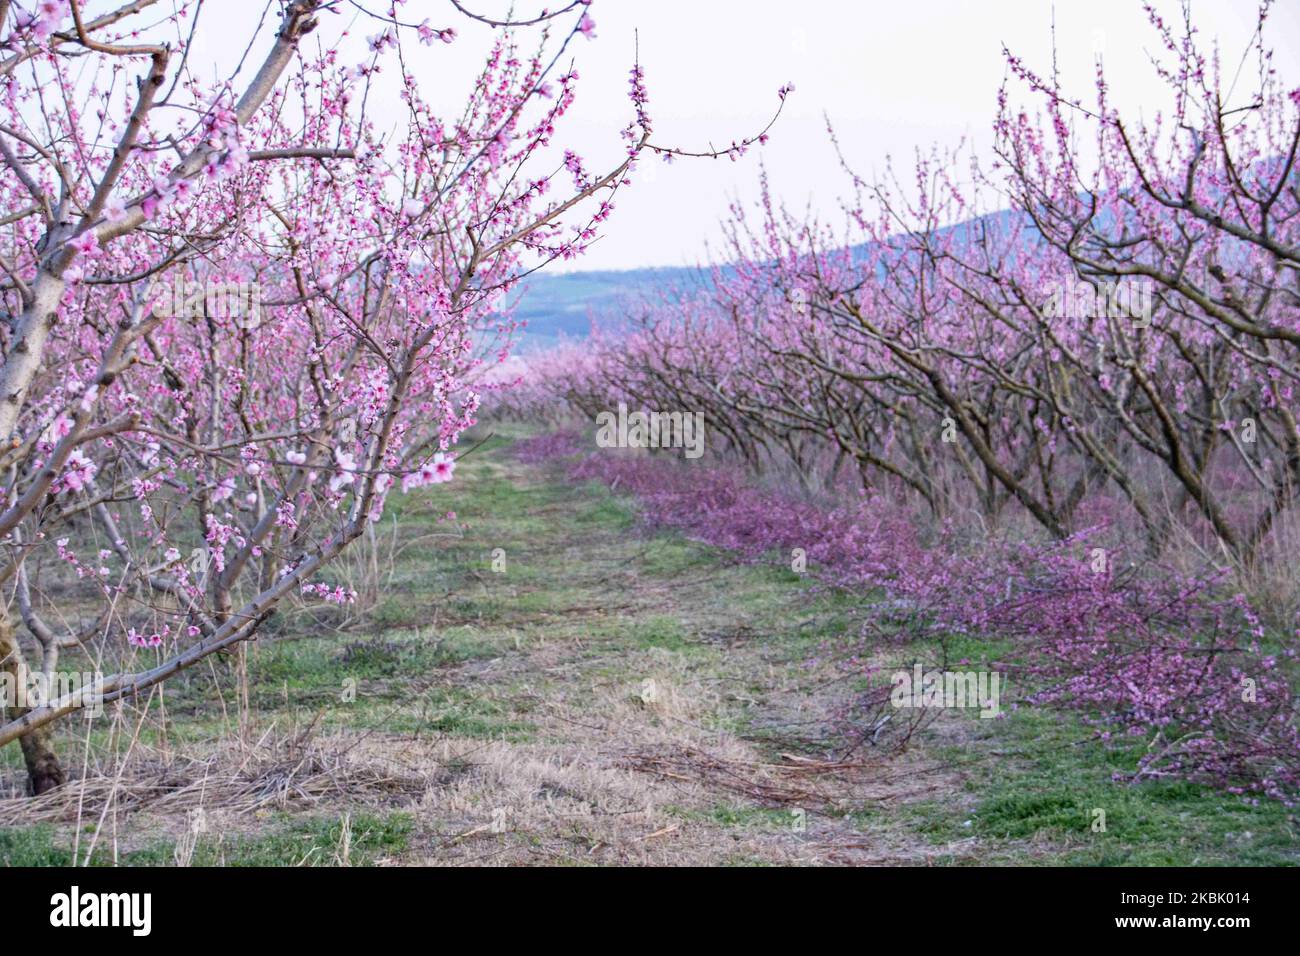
<point>891,75</point>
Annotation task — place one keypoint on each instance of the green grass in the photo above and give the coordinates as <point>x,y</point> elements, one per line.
<point>314,842</point>
<point>460,712</point>
<point>292,842</point>
<point>742,817</point>
<point>663,632</point>
<point>1047,794</point>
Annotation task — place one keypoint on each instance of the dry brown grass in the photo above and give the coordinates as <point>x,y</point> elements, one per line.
<point>279,772</point>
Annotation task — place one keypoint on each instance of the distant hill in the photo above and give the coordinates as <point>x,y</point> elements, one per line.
<point>561,306</point>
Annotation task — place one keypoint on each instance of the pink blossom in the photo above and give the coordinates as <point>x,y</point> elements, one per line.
<point>346,474</point>
<point>443,466</point>
<point>114,209</point>
<point>85,243</point>
<point>57,429</point>
<point>80,471</point>
<point>225,488</point>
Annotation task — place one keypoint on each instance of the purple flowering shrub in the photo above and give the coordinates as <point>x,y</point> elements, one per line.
<point>549,446</point>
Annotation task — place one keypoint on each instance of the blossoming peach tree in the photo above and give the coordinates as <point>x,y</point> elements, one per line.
<point>177,463</point>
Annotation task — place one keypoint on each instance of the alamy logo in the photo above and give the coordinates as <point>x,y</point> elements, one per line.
<point>103,909</point>
<point>187,299</point>
<point>973,689</point>
<point>84,688</point>
<point>683,430</point>
<point>1123,299</point>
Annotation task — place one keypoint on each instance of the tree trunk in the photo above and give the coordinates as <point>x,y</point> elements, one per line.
<point>43,769</point>
<point>44,772</point>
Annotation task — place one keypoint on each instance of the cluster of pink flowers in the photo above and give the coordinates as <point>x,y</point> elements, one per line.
<point>41,23</point>
<point>137,639</point>
<point>428,34</point>
<point>436,470</point>
<point>79,471</point>
<point>335,595</point>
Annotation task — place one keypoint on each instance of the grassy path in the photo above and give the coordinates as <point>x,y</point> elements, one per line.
<point>539,681</point>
